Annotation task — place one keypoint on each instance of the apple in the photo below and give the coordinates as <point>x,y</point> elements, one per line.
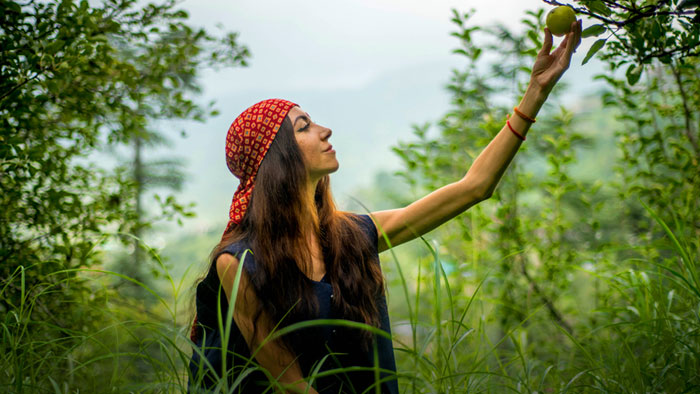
<point>559,20</point>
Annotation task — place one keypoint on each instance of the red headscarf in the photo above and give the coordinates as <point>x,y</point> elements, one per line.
<point>247,142</point>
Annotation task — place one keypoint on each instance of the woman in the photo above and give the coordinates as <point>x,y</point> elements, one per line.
<point>304,260</point>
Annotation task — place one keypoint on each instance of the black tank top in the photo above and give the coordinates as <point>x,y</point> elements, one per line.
<point>325,346</point>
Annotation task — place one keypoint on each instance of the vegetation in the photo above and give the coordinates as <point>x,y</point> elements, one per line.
<point>578,275</point>
<point>76,79</point>
<point>572,283</point>
<point>640,32</point>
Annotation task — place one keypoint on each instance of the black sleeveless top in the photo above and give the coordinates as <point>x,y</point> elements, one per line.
<point>326,348</point>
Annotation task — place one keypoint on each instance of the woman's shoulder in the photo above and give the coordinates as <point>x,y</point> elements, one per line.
<point>238,249</point>
<point>226,264</point>
<point>232,253</point>
<point>367,225</point>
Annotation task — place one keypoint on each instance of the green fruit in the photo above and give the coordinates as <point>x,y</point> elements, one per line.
<point>559,20</point>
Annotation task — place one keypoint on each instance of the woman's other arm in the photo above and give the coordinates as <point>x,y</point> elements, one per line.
<point>276,359</point>
<point>429,212</point>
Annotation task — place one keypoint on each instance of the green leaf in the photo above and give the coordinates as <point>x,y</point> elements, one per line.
<point>99,38</point>
<point>533,36</point>
<point>687,4</point>
<point>476,54</point>
<point>594,48</point>
<point>55,46</point>
<point>593,31</point>
<point>656,29</point>
<point>14,7</point>
<point>634,72</point>
<point>598,7</point>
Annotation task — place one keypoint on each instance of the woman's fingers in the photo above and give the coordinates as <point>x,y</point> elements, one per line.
<point>547,46</point>
<point>572,41</point>
<point>576,36</point>
<point>562,46</point>
<point>550,65</point>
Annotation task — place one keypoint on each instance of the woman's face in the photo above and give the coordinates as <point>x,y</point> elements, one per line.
<point>312,138</point>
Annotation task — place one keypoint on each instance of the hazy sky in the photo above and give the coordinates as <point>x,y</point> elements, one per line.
<point>368,69</point>
<point>332,44</point>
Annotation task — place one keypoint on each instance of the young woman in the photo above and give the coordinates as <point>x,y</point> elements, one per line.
<point>288,256</point>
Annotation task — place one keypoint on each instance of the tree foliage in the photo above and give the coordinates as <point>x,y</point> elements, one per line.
<point>476,115</point>
<point>75,77</point>
<point>637,32</point>
<point>576,281</point>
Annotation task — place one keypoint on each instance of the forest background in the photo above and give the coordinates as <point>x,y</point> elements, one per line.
<point>578,274</point>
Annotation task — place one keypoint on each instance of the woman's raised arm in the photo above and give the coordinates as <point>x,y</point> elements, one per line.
<point>404,224</point>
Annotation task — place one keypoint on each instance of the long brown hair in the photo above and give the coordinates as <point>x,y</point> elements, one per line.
<point>275,225</point>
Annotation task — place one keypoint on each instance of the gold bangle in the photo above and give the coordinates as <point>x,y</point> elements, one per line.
<point>522,115</point>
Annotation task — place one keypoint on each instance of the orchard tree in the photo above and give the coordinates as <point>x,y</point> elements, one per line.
<point>637,32</point>
<point>657,45</point>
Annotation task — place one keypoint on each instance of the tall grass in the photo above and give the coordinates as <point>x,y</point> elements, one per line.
<point>641,336</point>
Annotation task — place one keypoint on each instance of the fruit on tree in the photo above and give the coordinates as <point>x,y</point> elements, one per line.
<point>559,20</point>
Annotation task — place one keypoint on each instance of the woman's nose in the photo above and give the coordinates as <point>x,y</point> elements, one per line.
<point>326,133</point>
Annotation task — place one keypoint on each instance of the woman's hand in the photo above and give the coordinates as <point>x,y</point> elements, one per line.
<point>549,67</point>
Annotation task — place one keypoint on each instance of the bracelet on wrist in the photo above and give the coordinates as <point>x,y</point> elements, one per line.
<point>520,136</point>
<point>522,115</point>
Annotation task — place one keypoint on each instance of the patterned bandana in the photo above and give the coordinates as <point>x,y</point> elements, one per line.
<point>247,142</point>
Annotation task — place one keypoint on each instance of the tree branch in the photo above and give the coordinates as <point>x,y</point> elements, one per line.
<point>553,311</point>
<point>662,53</point>
<point>19,85</point>
<point>614,4</point>
<point>686,110</point>
<point>636,14</point>
<point>583,11</point>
